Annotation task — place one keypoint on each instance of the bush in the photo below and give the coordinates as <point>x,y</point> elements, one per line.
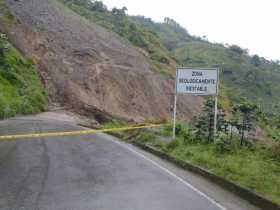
<point>145,137</point>
<point>275,150</point>
<point>166,130</point>
<point>188,136</point>
<point>222,143</point>
<point>4,109</point>
<point>157,56</point>
<point>172,145</point>
<point>181,129</point>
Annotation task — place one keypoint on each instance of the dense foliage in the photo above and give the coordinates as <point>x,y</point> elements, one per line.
<point>168,44</point>
<point>21,91</point>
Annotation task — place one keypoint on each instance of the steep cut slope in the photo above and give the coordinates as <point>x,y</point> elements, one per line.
<point>21,91</point>
<point>89,68</point>
<point>166,43</point>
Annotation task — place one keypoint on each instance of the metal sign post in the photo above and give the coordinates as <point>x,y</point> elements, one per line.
<point>216,105</point>
<point>175,109</point>
<point>174,116</point>
<point>196,81</point>
<point>216,115</point>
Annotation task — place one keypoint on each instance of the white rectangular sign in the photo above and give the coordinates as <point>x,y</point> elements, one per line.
<point>197,81</point>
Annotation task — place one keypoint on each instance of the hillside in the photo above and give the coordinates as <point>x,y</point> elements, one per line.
<point>92,70</point>
<point>105,64</point>
<point>21,90</point>
<point>167,44</point>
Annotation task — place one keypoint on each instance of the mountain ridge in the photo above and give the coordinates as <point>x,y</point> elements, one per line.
<point>95,60</point>
<point>90,69</point>
<point>241,73</point>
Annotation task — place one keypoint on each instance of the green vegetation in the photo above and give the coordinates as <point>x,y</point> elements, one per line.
<point>168,44</point>
<point>241,74</point>
<point>205,121</point>
<point>271,125</point>
<point>115,124</point>
<point>252,168</point>
<point>6,17</point>
<point>231,155</point>
<point>147,41</point>
<point>255,167</point>
<point>21,91</point>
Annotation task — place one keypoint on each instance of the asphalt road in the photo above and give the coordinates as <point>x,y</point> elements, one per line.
<point>96,172</point>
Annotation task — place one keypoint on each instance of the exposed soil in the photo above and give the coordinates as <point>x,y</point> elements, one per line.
<point>91,70</point>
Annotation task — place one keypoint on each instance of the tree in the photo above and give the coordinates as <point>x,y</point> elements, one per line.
<point>119,12</point>
<point>176,27</point>
<point>120,20</point>
<point>244,115</point>
<point>205,122</point>
<point>236,52</point>
<point>1,49</point>
<point>3,46</point>
<point>237,49</point>
<point>255,60</point>
<point>276,120</point>
<point>204,37</point>
<point>136,36</point>
<point>98,6</point>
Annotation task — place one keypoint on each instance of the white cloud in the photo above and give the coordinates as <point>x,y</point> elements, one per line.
<point>252,24</point>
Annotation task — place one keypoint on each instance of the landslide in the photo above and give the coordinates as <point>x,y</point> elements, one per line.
<point>21,90</point>
<point>90,69</point>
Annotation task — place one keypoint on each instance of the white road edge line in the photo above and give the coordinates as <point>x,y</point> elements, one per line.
<point>170,173</point>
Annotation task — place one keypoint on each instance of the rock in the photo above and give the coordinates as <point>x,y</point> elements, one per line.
<point>90,69</point>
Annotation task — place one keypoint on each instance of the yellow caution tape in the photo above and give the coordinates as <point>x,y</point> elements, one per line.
<point>72,133</point>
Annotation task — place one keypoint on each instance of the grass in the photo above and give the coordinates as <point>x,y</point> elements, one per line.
<point>255,168</point>
<point>21,91</point>
<point>251,169</point>
<point>272,132</point>
<point>115,124</point>
<point>6,16</point>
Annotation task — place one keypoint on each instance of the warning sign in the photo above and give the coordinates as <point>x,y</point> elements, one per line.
<point>197,81</point>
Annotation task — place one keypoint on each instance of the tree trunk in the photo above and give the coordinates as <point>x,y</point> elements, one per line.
<point>210,129</point>
<point>242,132</point>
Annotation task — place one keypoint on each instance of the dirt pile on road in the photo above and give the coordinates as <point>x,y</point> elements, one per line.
<point>90,69</point>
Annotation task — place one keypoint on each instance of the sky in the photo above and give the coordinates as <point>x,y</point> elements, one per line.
<point>251,24</point>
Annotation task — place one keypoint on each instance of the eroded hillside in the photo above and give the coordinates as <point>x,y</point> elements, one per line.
<point>90,69</point>
<point>21,91</point>
<point>167,43</point>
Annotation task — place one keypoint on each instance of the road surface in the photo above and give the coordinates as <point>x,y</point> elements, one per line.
<point>96,172</point>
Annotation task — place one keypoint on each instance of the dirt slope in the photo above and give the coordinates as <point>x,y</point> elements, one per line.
<point>90,69</point>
